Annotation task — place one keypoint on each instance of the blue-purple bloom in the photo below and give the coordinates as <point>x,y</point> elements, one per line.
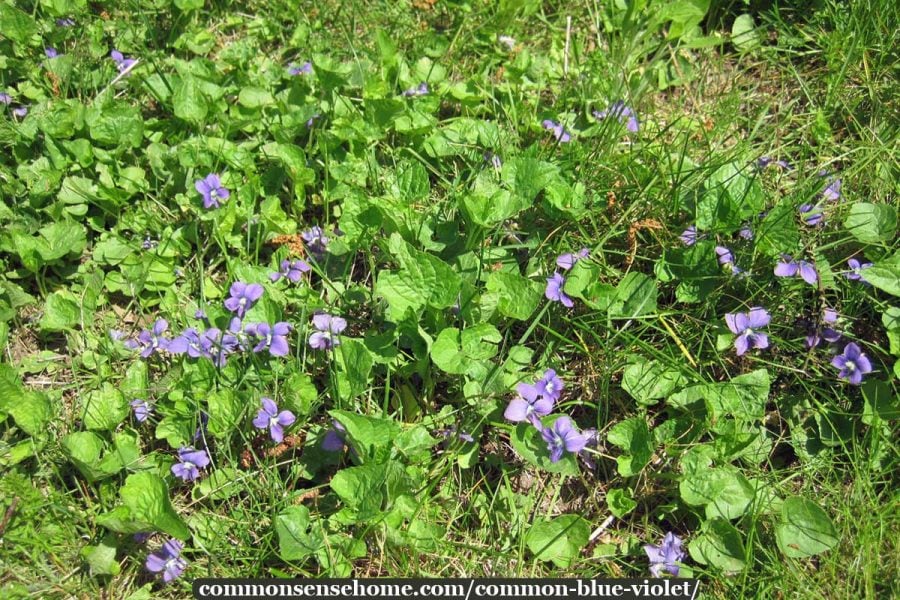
<point>243,296</point>
<point>142,410</point>
<point>420,90</point>
<point>665,556</point>
<point>568,260</point>
<point>744,325</point>
<point>550,385</point>
<point>122,63</point>
<point>853,364</point>
<point>65,22</point>
<point>832,191</point>
<point>689,236</point>
<point>304,69</point>
<point>51,52</point>
<point>811,214</point>
<point>746,233</point>
<point>727,259</point>
<point>620,111</point>
<point>5,98</point>
<point>292,270</point>
<point>316,240</point>
<point>329,328</point>
<point>336,438</point>
<point>765,161</point>
<point>559,132</point>
<point>212,190</point>
<point>856,269</point>
<point>21,112</point>
<point>529,405</point>
<point>190,463</point>
<point>269,418</point>
<point>167,560</point>
<point>816,334</point>
<point>554,290</point>
<point>151,340</point>
<point>792,268</point>
<point>563,436</point>
<point>271,337</point>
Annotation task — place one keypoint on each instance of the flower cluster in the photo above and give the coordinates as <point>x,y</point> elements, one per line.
<point>190,461</point>
<point>167,560</point>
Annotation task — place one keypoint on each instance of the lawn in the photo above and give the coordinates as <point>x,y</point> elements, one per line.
<point>449,288</point>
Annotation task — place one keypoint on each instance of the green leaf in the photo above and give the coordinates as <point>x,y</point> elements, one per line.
<point>146,497</point>
<point>62,311</point>
<point>743,33</point>
<point>104,409</point>
<point>83,449</point>
<point>620,502</point>
<point>885,276</point>
<point>729,197</point>
<point>719,545</point>
<point>368,435</point>
<point>648,381</point>
<point>15,24</point>
<point>744,397</point>
<point>517,296</point>
<point>527,177</point>
<point>635,296</point>
<point>724,492</point>
<point>354,363</point>
<point>633,436</point>
<point>459,352</point>
<point>225,408</point>
<point>361,489</point>
<point>31,411</point>
<point>872,223</point>
<point>559,540</point>
<point>804,529</point>
<point>530,445</point>
<point>120,125</point>
<point>253,97</point>
<point>189,102</point>
<point>778,233</point>
<point>102,558</point>
<point>220,485</point>
<point>296,541</point>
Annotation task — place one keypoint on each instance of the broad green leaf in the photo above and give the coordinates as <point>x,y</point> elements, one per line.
<point>719,545</point>
<point>102,558</point>
<point>744,397</point>
<point>146,496</point>
<point>634,438</point>
<point>296,540</point>
<point>804,529</point>
<point>104,409</point>
<point>743,33</point>
<point>220,485</point>
<point>31,411</point>
<point>649,380</point>
<point>368,435</point>
<point>885,276</point>
<point>225,408</point>
<point>517,297</point>
<point>62,311</point>
<point>729,197</point>
<point>361,489</point>
<point>254,97</point>
<point>559,540</point>
<point>354,363</point>
<point>620,502</point>
<point>778,233</point>
<point>872,223</point>
<point>118,125</point>
<point>83,449</point>
<point>189,101</point>
<point>635,296</point>
<point>16,24</point>
<point>458,352</point>
<point>724,492</point>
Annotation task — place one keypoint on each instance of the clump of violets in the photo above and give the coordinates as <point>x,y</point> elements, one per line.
<point>852,364</point>
<point>789,267</point>
<point>270,418</point>
<point>562,437</point>
<point>554,290</point>
<point>151,340</point>
<point>242,297</point>
<point>142,410</point>
<point>328,331</point>
<point>212,190</point>
<point>122,62</point>
<point>190,461</point>
<point>167,560</point>
<point>419,90</point>
<point>559,132</point>
<point>304,69</point>
<point>666,555</point>
<point>826,332</point>
<point>856,269</point>
<point>568,260</point>
<point>529,405</point>
<point>270,337</point>
<point>745,326</point>
<point>618,110</point>
<point>292,270</point>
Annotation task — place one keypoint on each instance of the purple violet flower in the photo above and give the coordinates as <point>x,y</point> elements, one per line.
<point>568,260</point>
<point>665,556</point>
<point>191,461</point>
<point>563,435</point>
<point>329,327</point>
<point>141,409</point>
<point>550,385</point>
<point>293,270</point>
<point>316,240</point>
<point>832,191</point>
<point>243,296</point>
<point>811,214</point>
<point>420,90</point>
<point>51,52</point>
<point>554,290</point>
<point>856,269</point>
<point>727,259</point>
<point>529,405</point>
<point>743,325</point>
<point>269,418</point>
<point>304,69</point>
<point>689,236</point>
<point>212,190</point>
<point>559,132</point>
<point>271,337</point>
<point>167,560</point>
<point>65,22</point>
<point>746,233</point>
<point>493,159</point>
<point>621,112</point>
<point>122,63</point>
<point>853,364</point>
<point>791,268</point>
<point>20,112</point>
<point>152,340</point>
<point>5,98</point>
<point>336,438</point>
<point>816,334</point>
